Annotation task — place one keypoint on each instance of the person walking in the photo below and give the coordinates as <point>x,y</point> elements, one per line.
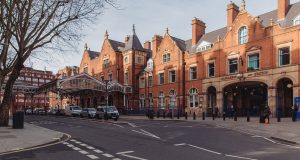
<point>231,111</point>
<point>267,114</point>
<point>294,112</point>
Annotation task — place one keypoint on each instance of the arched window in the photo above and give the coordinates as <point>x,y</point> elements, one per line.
<point>161,100</point>
<point>297,20</point>
<point>243,35</point>
<point>172,95</point>
<point>194,98</point>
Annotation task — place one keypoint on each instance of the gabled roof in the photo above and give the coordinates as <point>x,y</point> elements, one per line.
<point>133,43</point>
<point>93,54</point>
<point>116,45</point>
<point>180,43</point>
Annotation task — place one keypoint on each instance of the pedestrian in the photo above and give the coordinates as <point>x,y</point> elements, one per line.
<point>294,112</point>
<point>231,111</point>
<point>267,113</point>
<point>216,111</point>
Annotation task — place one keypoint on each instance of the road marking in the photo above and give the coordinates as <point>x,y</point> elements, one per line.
<point>76,148</point>
<point>118,125</point>
<point>82,144</point>
<point>150,134</point>
<point>116,159</point>
<point>92,157</point>
<point>125,154</point>
<point>83,152</point>
<point>132,125</point>
<point>90,147</point>
<point>66,143</point>
<point>78,142</point>
<point>146,133</point>
<point>256,136</point>
<point>98,151</point>
<point>180,144</point>
<point>70,145</point>
<point>207,150</point>
<point>107,155</point>
<point>228,155</point>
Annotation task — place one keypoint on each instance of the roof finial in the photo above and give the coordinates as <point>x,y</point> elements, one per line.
<point>106,35</point>
<point>243,5</point>
<point>133,29</point>
<point>167,30</point>
<point>85,46</point>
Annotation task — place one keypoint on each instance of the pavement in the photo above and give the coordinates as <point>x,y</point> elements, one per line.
<point>12,140</point>
<point>285,131</point>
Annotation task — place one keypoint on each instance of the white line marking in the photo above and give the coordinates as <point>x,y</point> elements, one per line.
<point>90,147</point>
<point>78,142</point>
<point>82,144</point>
<point>76,148</point>
<point>150,134</point>
<point>132,125</point>
<point>180,144</point>
<point>66,143</point>
<point>153,136</point>
<point>73,140</point>
<point>107,155</point>
<point>83,152</point>
<point>207,150</point>
<point>70,145</point>
<point>256,136</point>
<point>116,159</point>
<point>228,155</point>
<point>92,157</point>
<point>129,156</point>
<point>118,125</point>
<point>98,151</point>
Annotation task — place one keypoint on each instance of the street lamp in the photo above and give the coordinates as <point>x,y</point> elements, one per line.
<point>106,91</point>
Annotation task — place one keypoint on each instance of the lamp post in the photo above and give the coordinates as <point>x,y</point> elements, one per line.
<point>106,92</point>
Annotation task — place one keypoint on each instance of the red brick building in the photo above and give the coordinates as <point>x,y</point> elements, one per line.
<point>251,62</point>
<point>30,79</point>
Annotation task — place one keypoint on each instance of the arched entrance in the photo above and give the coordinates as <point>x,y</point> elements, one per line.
<point>284,100</point>
<point>211,99</point>
<point>110,100</point>
<point>95,102</point>
<point>88,104</point>
<point>246,96</point>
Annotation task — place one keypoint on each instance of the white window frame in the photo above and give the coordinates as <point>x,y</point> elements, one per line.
<point>296,20</point>
<point>256,52</point>
<point>159,80</point>
<point>161,100</point>
<point>228,66</point>
<point>194,98</point>
<point>166,58</point>
<point>173,101</point>
<point>245,37</point>
<point>170,77</point>
<point>190,73</point>
<point>290,55</point>
<point>208,71</point>
<point>142,82</point>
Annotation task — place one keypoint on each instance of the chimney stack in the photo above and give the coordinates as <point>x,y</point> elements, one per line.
<point>198,30</point>
<point>126,39</point>
<point>283,7</point>
<point>147,45</point>
<point>156,40</point>
<point>232,12</point>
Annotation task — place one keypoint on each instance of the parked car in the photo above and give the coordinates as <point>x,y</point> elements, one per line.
<point>112,112</point>
<point>52,111</point>
<point>60,112</point>
<point>39,111</point>
<point>99,113</point>
<point>28,111</point>
<point>73,111</point>
<point>88,112</point>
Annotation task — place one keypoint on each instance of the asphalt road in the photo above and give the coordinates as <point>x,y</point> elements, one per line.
<point>150,140</point>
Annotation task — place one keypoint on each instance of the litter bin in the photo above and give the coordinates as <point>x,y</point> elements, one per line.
<point>298,116</point>
<point>18,120</point>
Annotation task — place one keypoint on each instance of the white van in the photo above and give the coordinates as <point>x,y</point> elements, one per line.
<point>73,110</point>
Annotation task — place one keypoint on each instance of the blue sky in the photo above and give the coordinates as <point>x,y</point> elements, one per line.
<point>152,17</point>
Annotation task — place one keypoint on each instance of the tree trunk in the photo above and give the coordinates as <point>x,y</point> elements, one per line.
<point>7,97</point>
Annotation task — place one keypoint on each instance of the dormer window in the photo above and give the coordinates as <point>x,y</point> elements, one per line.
<point>243,35</point>
<point>106,63</point>
<point>204,46</point>
<point>297,20</point>
<point>85,68</point>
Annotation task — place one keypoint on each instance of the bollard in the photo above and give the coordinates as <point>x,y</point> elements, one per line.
<point>235,117</point>
<point>194,116</point>
<point>203,115</point>
<point>164,114</point>
<point>178,116</point>
<point>157,114</point>
<point>213,116</point>
<point>224,116</point>
<point>248,116</point>
<point>186,115</point>
<point>278,118</point>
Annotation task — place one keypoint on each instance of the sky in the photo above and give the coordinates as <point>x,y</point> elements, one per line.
<point>150,17</point>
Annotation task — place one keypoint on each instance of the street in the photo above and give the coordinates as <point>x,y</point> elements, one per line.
<point>150,140</point>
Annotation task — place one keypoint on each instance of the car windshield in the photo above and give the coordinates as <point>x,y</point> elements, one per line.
<point>76,108</point>
<point>92,109</point>
<point>110,109</point>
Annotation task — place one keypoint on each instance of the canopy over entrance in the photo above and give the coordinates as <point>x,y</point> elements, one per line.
<point>83,82</point>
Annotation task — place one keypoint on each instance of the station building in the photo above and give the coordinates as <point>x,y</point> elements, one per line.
<point>250,63</point>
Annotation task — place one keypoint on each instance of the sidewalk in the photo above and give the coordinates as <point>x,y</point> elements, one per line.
<point>286,130</point>
<point>30,136</point>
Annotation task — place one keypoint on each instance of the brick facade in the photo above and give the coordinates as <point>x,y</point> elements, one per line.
<point>251,59</point>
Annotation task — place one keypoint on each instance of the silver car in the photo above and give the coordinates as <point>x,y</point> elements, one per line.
<point>88,112</point>
<point>112,112</point>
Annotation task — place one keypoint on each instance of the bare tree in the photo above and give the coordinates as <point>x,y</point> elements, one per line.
<point>32,26</point>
